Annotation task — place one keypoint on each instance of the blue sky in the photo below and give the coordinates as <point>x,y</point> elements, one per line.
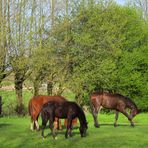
<point>121,1</point>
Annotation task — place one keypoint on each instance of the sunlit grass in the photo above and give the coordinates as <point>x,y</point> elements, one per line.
<point>15,132</point>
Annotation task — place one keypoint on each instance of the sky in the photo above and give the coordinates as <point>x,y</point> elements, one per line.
<point>121,1</point>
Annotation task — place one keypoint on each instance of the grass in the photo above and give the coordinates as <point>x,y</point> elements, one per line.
<point>15,132</point>
<point>9,100</point>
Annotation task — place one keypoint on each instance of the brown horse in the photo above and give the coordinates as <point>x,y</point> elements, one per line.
<point>35,106</point>
<point>115,102</point>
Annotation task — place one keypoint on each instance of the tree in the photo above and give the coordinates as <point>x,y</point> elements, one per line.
<point>97,40</point>
<point>141,5</point>
<point>5,69</point>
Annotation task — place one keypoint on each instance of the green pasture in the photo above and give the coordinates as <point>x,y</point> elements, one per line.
<point>15,133</point>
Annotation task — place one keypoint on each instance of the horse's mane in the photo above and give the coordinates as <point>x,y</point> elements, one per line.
<point>82,115</point>
<point>127,99</point>
<point>131,101</point>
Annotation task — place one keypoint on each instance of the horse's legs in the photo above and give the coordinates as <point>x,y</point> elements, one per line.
<point>56,123</point>
<point>37,125</point>
<point>128,116</point>
<point>35,121</point>
<point>116,118</point>
<point>51,126</point>
<point>44,122</point>
<point>59,126</point>
<point>69,128</point>
<point>95,115</point>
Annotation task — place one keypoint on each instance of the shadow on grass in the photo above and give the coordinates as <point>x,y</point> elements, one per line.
<point>4,125</point>
<point>122,124</point>
<point>63,128</point>
<point>62,132</point>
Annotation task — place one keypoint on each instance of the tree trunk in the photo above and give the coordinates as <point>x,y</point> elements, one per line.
<point>78,98</point>
<point>49,88</point>
<point>36,86</point>
<point>18,89</point>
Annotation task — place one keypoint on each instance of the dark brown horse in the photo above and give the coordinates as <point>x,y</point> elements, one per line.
<point>115,102</point>
<point>69,110</point>
<point>35,106</point>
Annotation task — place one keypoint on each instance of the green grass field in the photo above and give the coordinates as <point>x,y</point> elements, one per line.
<point>15,132</point>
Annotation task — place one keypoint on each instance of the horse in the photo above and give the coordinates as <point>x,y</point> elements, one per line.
<point>74,122</point>
<point>35,105</point>
<point>69,110</point>
<point>116,102</point>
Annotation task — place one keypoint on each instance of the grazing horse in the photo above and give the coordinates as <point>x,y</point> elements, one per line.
<point>115,102</point>
<point>69,110</point>
<point>35,106</point>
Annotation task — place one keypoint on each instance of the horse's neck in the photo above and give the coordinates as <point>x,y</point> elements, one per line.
<point>131,105</point>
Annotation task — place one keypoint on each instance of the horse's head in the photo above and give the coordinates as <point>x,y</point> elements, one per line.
<point>83,129</point>
<point>134,112</point>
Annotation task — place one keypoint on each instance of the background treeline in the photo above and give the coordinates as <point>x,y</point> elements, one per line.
<point>75,45</point>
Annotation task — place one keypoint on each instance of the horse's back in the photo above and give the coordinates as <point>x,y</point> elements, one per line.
<point>61,109</point>
<point>36,103</point>
<point>107,100</point>
<point>60,104</point>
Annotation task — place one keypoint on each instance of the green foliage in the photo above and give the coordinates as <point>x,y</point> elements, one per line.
<point>99,47</point>
<point>9,104</point>
<point>21,110</point>
<point>107,48</point>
